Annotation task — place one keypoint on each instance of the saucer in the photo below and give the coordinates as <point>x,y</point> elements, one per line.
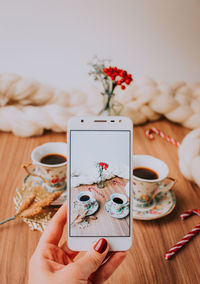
<point>116,214</point>
<point>94,206</point>
<point>161,205</point>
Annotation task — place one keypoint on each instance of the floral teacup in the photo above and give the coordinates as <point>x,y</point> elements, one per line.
<point>85,199</point>
<point>118,201</point>
<point>144,190</point>
<point>52,175</point>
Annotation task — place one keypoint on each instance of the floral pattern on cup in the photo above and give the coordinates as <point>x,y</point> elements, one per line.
<point>122,213</point>
<point>144,192</point>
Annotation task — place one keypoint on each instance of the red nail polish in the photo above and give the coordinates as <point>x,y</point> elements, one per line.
<point>101,245</point>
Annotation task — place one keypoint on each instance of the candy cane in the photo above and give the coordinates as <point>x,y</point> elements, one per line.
<point>150,134</point>
<point>117,182</point>
<point>182,242</point>
<point>99,193</point>
<point>188,213</point>
<point>186,238</point>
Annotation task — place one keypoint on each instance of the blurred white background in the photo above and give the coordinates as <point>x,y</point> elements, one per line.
<point>52,40</point>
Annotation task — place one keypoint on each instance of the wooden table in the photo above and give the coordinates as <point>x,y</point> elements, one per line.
<point>145,261</point>
<point>104,225</point>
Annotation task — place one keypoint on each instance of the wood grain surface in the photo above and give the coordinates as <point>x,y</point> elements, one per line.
<point>105,225</point>
<point>145,261</point>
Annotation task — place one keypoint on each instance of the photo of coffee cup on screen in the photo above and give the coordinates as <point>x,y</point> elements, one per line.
<point>99,178</point>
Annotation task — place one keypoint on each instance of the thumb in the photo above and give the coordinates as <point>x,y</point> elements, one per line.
<point>93,259</point>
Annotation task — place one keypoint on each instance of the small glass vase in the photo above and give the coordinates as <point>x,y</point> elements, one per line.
<point>101,184</point>
<point>110,106</point>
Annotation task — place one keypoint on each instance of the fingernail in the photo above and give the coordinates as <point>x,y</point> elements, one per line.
<point>101,245</point>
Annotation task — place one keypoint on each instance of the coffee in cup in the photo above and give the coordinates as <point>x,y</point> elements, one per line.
<point>53,159</point>
<point>145,173</point>
<point>118,200</point>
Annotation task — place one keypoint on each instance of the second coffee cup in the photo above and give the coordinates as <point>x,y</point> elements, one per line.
<point>150,177</point>
<point>118,201</point>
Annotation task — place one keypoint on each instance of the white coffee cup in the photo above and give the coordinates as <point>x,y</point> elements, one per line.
<point>144,190</point>
<point>115,198</point>
<point>85,199</point>
<point>52,175</point>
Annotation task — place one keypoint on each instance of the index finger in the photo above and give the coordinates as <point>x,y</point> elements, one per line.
<point>53,233</point>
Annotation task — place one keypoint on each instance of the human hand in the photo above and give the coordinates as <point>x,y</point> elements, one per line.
<point>51,264</point>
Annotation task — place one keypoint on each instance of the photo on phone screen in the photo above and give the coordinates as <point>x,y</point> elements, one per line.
<point>99,183</point>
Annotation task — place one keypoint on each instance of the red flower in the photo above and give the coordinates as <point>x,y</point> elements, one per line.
<point>129,76</point>
<point>103,165</point>
<point>115,74</point>
<point>153,212</point>
<point>123,73</point>
<point>127,81</point>
<point>54,180</point>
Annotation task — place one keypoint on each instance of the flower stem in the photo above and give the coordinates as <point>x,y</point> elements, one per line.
<point>9,219</point>
<point>108,102</point>
<point>114,84</point>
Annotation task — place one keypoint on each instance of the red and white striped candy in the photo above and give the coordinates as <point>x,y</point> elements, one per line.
<point>99,193</point>
<point>182,242</point>
<point>118,182</point>
<point>150,134</point>
<point>188,213</point>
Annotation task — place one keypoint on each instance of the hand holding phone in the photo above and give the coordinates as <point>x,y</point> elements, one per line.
<point>99,182</point>
<point>52,263</point>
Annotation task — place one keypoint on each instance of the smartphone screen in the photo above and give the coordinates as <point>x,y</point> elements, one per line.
<point>99,183</point>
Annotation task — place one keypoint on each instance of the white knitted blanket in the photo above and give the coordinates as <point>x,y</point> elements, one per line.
<point>28,107</point>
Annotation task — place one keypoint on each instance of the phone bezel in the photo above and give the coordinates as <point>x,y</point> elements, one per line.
<point>99,123</point>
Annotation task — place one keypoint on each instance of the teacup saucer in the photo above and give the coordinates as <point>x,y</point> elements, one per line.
<point>161,206</point>
<point>114,213</point>
<point>94,206</point>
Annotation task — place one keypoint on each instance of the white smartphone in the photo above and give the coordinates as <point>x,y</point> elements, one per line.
<point>99,182</point>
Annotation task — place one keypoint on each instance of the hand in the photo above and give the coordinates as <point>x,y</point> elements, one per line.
<point>51,264</point>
